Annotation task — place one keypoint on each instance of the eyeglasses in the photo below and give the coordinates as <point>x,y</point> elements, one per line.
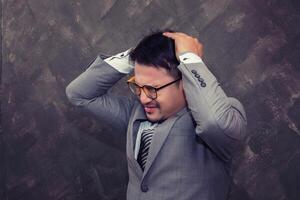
<point>150,91</point>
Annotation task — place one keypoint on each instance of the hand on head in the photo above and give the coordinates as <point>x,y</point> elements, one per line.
<point>185,43</point>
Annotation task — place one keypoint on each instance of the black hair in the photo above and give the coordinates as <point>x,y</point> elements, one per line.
<point>157,50</point>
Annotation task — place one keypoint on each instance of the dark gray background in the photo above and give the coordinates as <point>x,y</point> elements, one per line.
<point>52,150</point>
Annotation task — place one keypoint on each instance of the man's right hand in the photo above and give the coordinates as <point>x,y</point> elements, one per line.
<point>185,43</point>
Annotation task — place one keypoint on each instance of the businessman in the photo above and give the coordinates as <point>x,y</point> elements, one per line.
<point>182,129</point>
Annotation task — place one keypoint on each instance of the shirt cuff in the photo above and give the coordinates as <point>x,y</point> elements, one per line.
<point>189,57</point>
<point>121,62</point>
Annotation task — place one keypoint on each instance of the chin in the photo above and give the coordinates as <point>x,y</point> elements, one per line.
<point>154,119</point>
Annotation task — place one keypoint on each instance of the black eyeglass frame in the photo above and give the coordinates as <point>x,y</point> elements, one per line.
<point>150,88</point>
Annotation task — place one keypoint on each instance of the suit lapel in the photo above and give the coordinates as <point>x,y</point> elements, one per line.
<point>138,117</point>
<point>133,126</point>
<point>160,135</point>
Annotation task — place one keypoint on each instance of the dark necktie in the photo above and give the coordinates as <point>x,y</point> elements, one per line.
<point>146,138</point>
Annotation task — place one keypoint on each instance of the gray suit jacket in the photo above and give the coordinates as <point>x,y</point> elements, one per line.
<point>191,152</point>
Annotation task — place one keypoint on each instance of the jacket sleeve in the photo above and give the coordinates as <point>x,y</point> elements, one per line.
<point>89,91</point>
<point>220,120</point>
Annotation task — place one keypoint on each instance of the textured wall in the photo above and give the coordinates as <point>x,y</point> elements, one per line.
<point>51,150</point>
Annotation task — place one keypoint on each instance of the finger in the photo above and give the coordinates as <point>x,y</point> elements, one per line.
<point>170,35</point>
<point>182,34</point>
<point>175,35</point>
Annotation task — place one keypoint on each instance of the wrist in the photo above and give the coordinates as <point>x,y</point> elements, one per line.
<point>121,62</point>
<point>189,57</point>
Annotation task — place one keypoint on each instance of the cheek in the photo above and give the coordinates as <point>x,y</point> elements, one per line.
<point>166,100</point>
<point>174,98</point>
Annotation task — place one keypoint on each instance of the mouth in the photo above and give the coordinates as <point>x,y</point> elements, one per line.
<point>150,108</point>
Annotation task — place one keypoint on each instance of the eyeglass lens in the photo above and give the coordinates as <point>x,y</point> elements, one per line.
<point>149,90</point>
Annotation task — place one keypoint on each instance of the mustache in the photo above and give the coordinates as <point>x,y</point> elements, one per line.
<point>152,104</point>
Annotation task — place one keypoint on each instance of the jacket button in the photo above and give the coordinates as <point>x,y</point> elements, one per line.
<point>203,84</point>
<point>194,71</point>
<point>200,79</point>
<point>144,188</point>
<point>197,76</point>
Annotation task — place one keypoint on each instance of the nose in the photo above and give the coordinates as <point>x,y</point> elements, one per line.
<point>143,98</point>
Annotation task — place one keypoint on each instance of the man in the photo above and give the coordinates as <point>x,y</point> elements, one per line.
<point>181,131</point>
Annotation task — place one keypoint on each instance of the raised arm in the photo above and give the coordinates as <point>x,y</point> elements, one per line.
<point>89,90</point>
<point>220,120</point>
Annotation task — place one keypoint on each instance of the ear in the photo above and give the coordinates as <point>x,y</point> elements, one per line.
<point>182,89</point>
<point>181,84</point>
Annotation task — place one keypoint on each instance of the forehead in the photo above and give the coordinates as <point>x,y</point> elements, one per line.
<point>150,75</point>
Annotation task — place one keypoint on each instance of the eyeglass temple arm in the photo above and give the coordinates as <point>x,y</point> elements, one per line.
<point>130,80</point>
